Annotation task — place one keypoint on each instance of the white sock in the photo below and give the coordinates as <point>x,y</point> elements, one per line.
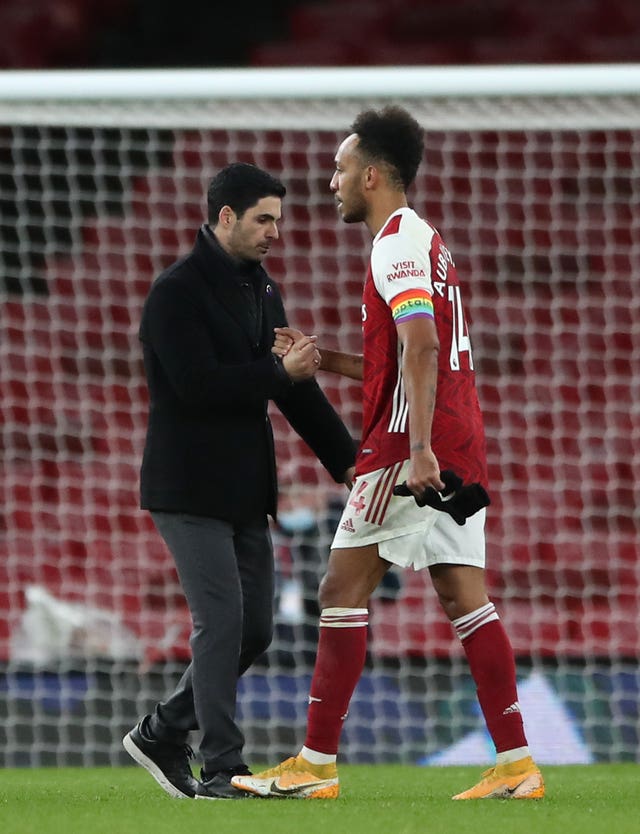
<point>313,757</point>
<point>510,756</point>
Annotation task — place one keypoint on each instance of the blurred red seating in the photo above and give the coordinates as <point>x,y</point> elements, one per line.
<point>309,53</point>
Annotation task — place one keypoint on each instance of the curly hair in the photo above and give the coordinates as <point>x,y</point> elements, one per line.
<point>394,137</point>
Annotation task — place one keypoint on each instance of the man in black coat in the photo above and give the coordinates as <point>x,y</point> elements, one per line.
<point>208,472</point>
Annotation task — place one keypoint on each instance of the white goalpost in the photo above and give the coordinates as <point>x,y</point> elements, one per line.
<point>532,174</point>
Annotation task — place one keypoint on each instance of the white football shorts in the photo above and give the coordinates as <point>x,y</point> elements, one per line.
<point>406,535</point>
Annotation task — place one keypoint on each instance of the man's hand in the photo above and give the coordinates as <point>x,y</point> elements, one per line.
<point>459,500</point>
<point>284,340</point>
<point>300,356</point>
<point>424,471</point>
<point>349,475</point>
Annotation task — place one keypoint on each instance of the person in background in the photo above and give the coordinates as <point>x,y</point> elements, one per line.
<point>422,436</point>
<point>208,472</point>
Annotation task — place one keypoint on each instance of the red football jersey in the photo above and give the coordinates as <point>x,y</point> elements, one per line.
<point>411,273</point>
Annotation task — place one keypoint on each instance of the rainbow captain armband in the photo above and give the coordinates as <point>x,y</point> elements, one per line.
<point>410,304</point>
<point>460,501</point>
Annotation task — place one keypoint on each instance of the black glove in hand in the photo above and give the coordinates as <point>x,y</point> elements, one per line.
<point>458,500</point>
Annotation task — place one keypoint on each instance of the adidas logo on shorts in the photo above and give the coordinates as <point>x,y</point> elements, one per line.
<point>347,526</point>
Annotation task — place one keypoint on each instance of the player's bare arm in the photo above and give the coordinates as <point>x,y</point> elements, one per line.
<point>420,348</point>
<point>334,361</point>
<point>344,364</point>
<point>285,339</point>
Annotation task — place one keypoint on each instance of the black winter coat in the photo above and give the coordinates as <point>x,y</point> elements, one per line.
<point>209,446</point>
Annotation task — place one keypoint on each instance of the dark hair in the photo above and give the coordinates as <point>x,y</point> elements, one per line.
<point>240,186</point>
<point>393,136</point>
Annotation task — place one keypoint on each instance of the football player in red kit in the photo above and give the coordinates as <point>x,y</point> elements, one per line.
<point>421,422</point>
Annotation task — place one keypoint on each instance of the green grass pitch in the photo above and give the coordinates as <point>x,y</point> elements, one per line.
<point>380,799</point>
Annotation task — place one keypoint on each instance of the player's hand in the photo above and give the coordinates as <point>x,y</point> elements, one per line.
<point>302,359</point>
<point>284,339</point>
<point>424,471</point>
<point>349,476</point>
<point>458,499</point>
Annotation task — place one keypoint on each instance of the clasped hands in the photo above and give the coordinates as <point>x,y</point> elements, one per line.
<point>301,359</point>
<point>299,354</point>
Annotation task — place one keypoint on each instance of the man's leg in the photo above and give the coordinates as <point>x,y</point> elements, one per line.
<point>254,559</point>
<point>462,593</point>
<point>352,575</point>
<point>203,550</point>
<point>204,555</point>
<point>254,554</point>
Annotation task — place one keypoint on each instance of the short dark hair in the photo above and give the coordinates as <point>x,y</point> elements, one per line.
<point>393,136</point>
<point>240,186</point>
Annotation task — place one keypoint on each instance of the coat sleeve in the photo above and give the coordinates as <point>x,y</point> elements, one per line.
<point>174,329</point>
<point>312,416</point>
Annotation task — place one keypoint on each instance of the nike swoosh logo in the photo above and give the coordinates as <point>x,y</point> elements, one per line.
<point>274,789</point>
<point>511,791</point>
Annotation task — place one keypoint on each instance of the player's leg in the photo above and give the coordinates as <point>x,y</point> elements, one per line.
<point>462,593</point>
<point>352,575</point>
<point>376,529</point>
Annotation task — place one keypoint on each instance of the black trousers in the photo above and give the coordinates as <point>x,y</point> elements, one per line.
<point>226,573</point>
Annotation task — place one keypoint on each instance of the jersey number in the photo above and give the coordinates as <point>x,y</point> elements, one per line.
<point>460,341</point>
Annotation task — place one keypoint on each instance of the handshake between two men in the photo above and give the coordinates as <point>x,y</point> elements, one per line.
<point>301,359</point>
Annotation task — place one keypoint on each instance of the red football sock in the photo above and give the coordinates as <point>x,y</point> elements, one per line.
<point>493,669</point>
<point>342,648</point>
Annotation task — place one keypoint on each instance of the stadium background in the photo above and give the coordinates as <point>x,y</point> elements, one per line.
<point>92,623</point>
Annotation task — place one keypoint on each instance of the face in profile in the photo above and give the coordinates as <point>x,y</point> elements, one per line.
<point>347,182</point>
<point>250,236</point>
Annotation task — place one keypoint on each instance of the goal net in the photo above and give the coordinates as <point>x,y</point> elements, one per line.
<point>533,178</point>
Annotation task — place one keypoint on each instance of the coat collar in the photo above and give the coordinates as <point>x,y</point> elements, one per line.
<point>224,275</point>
